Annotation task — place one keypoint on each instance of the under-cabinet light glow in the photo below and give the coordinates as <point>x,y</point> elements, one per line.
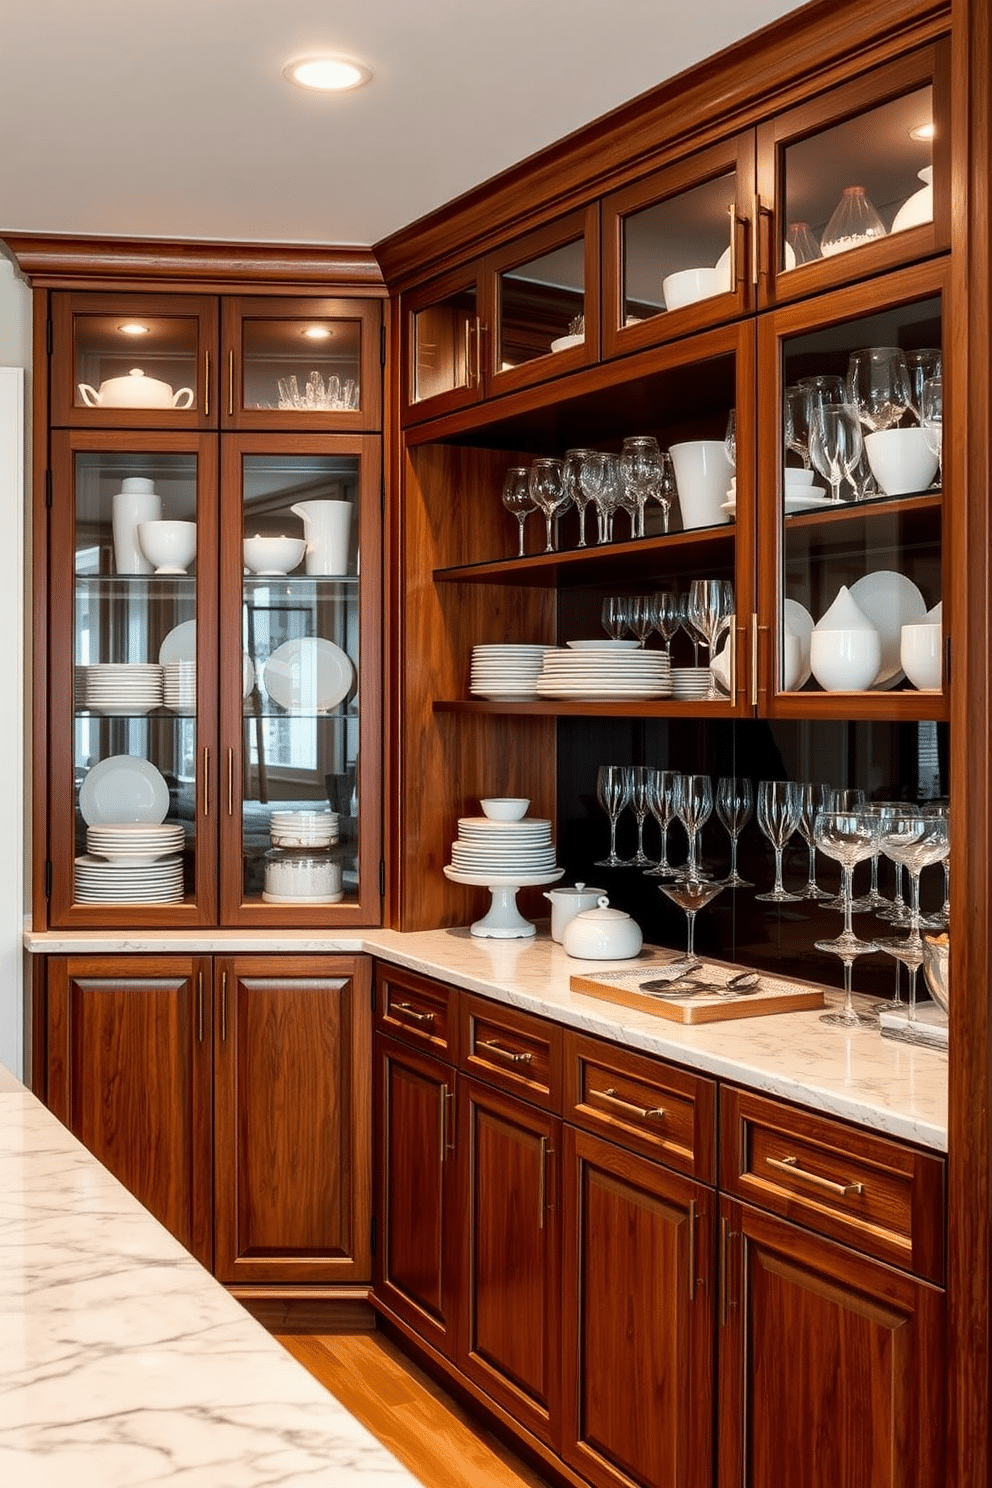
<point>923,132</point>
<point>134,328</point>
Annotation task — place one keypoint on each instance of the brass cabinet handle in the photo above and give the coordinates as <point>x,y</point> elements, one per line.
<point>754,661</point>
<point>206,780</point>
<point>692,1250</point>
<point>724,1270</point>
<point>206,384</point>
<point>791,1165</point>
<point>479,328</point>
<point>199,1007</point>
<point>510,1056</point>
<point>223,1007</point>
<point>468,353</point>
<point>756,241</point>
<point>230,382</point>
<point>610,1097</point>
<point>409,1014</point>
<point>546,1151</point>
<point>446,1124</point>
<point>230,782</point>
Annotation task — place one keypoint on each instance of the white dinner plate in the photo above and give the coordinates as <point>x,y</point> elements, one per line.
<point>606,645</point>
<point>123,788</point>
<point>179,644</point>
<point>890,600</point>
<point>309,675</point>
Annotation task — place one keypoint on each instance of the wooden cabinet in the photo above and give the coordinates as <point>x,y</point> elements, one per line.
<point>231,1097</point>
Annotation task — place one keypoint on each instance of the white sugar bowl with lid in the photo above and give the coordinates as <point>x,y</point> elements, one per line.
<point>602,934</point>
<point>136,390</point>
<point>567,903</point>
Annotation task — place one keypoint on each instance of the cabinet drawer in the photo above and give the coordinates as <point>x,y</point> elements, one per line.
<point>511,1050</point>
<point>666,1113</point>
<point>879,1196</point>
<point>417,1010</point>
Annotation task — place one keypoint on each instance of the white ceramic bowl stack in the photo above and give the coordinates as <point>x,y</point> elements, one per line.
<point>123,688</point>
<point>517,851</point>
<point>179,686</point>
<point>506,673</point>
<point>799,493</point>
<point>605,672</point>
<point>309,829</point>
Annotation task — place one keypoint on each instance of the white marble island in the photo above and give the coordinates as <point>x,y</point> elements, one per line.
<point>123,1363</point>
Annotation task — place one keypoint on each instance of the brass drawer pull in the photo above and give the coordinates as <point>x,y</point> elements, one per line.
<point>407,1013</point>
<point>510,1056</point>
<point>790,1165</point>
<point>610,1097</point>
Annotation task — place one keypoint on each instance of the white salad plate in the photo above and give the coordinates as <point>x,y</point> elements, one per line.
<point>890,600</point>
<point>309,675</point>
<point>606,645</point>
<point>123,788</point>
<point>179,644</point>
<point>514,880</point>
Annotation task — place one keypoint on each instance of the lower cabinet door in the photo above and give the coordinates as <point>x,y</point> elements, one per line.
<point>129,1073</point>
<point>509,1155</point>
<point>831,1364</point>
<point>292,1126</point>
<point>416,1262</point>
<point>638,1319</point>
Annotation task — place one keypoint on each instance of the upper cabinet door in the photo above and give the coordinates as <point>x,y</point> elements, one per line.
<point>134,361</point>
<point>678,251</point>
<point>856,181</point>
<point>442,346</point>
<point>301,364</point>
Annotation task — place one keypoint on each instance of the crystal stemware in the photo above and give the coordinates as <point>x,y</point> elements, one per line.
<point>693,801</point>
<point>572,465</point>
<point>661,803</point>
<point>707,613</point>
<point>639,805</point>
<point>667,618</point>
<point>923,364</point>
<point>813,799</point>
<point>547,490</point>
<point>692,895</point>
<point>874,901</point>
<point>848,837</point>
<point>616,615</point>
<point>734,806</point>
<point>878,385</point>
<point>932,420</point>
<point>916,840</point>
<point>517,498</point>
<point>835,443</point>
<point>779,809</point>
<point>796,420</point>
<point>599,483</point>
<point>667,489</point>
<point>613,785</point>
<point>642,616</point>
<point>640,473</point>
<point>730,437</point>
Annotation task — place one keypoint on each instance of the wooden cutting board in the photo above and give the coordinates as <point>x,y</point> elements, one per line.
<point>773,995</point>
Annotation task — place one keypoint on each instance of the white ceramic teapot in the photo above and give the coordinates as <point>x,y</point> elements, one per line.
<point>135,391</point>
<point>603,934</point>
<point>566,904</point>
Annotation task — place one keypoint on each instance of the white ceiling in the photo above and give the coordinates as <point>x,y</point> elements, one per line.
<point>170,118</point>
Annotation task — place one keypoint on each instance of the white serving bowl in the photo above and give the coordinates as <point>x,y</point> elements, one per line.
<point>900,460</point>
<point>702,475</point>
<point>794,476</point>
<point>921,655</point>
<point>505,808</point>
<point>690,285</point>
<point>273,555</point>
<point>845,660</point>
<point>170,546</point>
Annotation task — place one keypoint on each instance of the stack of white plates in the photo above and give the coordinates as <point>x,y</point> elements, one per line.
<point>506,673</point>
<point>179,686</point>
<point>132,844</point>
<point>121,688</point>
<point>503,849</point>
<point>100,882</point>
<point>315,829</point>
<point>608,674</point>
<point>690,682</point>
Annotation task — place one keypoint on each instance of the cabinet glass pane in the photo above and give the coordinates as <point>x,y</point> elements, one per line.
<point>304,366</point>
<point>866,565</point>
<point>134,655</point>
<point>442,344</point>
<point>677,251</point>
<point>139,361</point>
<point>860,180</point>
<point>542,305</point>
<point>300,678</point>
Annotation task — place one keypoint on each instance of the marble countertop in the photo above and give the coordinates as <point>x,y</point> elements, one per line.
<point>123,1363</point>
<point>879,1083</point>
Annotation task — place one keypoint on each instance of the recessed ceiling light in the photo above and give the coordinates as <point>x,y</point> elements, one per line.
<point>316,333</point>
<point>134,328</point>
<point>922,132</point>
<point>330,74</point>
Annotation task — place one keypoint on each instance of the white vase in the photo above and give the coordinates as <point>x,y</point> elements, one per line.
<point>136,501</point>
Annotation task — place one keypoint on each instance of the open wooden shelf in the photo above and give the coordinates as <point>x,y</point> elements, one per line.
<point>641,558</point>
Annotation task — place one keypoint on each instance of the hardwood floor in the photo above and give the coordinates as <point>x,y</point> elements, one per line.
<point>404,1409</point>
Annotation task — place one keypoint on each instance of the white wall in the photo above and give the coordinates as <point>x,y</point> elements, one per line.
<point>15,472</point>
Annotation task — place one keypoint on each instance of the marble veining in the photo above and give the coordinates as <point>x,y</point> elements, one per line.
<point>123,1363</point>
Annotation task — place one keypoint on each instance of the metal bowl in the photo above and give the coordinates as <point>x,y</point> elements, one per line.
<point>935,958</point>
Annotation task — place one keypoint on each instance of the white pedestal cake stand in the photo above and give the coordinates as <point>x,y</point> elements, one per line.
<point>504,921</point>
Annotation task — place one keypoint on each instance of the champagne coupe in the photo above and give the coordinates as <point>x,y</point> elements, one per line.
<point>874,901</point>
<point>848,837</point>
<point>662,785</point>
<point>640,472</point>
<point>616,615</point>
<point>517,498</point>
<point>693,800</point>
<point>835,443</point>
<point>572,465</point>
<point>734,805</point>
<point>932,420</point>
<point>878,386</point>
<point>692,895</point>
<point>796,413</point>
<point>813,799</point>
<point>639,804</point>
<point>613,786</point>
<point>779,809</point>
<point>916,840</point>
<point>667,489</point>
<point>547,489</point>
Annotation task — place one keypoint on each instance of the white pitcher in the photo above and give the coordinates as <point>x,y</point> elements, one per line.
<point>326,527</point>
<point>136,501</point>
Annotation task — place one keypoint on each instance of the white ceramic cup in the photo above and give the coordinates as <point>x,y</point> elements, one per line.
<point>921,655</point>
<point>900,460</point>
<point>702,474</point>
<point>845,660</point>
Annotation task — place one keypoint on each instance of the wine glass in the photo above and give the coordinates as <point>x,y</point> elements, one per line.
<point>613,786</point>
<point>835,443</point>
<point>667,618</point>
<point>693,800</point>
<point>547,490</point>
<point>923,363</point>
<point>873,900</point>
<point>615,616</point>
<point>779,809</point>
<point>730,437</point>
<point>813,799</point>
<point>708,615</point>
<point>932,420</point>
<point>572,464</point>
<point>916,840</point>
<point>517,498</point>
<point>598,482</point>
<point>661,804</point>
<point>878,386</point>
<point>796,412</point>
<point>639,804</point>
<point>848,837</point>
<point>820,388</point>
<point>734,805</point>
<point>692,895</point>
<point>642,616</point>
<point>640,471</point>
<point>667,489</point>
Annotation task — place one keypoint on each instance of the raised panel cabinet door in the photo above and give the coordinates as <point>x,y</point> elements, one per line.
<point>129,1073</point>
<point>417,1250</point>
<point>509,1160</point>
<point>638,1309</point>
<point>831,1365</point>
<point>292,1119</point>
